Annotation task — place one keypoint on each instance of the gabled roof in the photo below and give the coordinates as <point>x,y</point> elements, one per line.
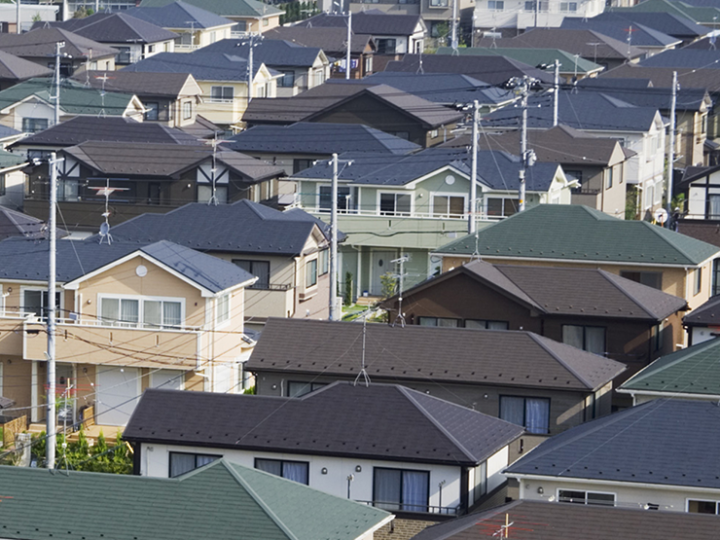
<point>688,99</point>
<point>271,52</point>
<point>375,23</point>
<point>241,227</point>
<point>700,15</point>
<point>644,444</point>
<point>667,23</point>
<point>75,99</point>
<point>642,36</point>
<point>493,70</point>
<point>13,223</point>
<point>219,500</point>
<point>225,8</point>
<point>26,260</point>
<point>707,314</point>
<point>661,77</point>
<point>145,84</point>
<point>116,27</point>
<point>41,43</point>
<point>319,138</point>
<point>203,66</point>
<point>691,371</point>
<point>95,128</point>
<point>396,424</point>
<point>331,40</point>
<point>432,355</point>
<point>179,15</point>
<point>686,59</point>
<point>579,233</point>
<point>14,68</point>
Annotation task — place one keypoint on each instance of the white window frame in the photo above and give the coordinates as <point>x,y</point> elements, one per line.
<point>141,311</point>
<point>58,309</point>
<point>223,89</point>
<point>223,319</point>
<point>395,213</point>
<point>434,194</point>
<point>503,199</point>
<point>496,5</point>
<point>586,491</point>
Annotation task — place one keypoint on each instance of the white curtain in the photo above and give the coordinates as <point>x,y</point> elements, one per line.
<point>595,339</point>
<point>537,415</point>
<point>204,460</point>
<point>573,335</point>
<point>130,312</point>
<point>512,409</point>
<point>181,463</point>
<point>297,472</point>
<point>415,491</point>
<point>271,466</point>
<point>152,313</point>
<point>110,309</point>
<point>497,325</point>
<point>387,489</point>
<point>172,314</point>
<point>714,210</point>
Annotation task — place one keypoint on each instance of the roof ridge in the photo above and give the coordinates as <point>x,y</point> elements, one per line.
<point>511,280</point>
<point>540,341</point>
<point>656,230</point>
<point>606,275</point>
<point>640,375</point>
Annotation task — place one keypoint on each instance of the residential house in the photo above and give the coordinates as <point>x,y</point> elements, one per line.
<point>701,186</point>
<point>640,128</point>
<point>12,180</point>
<point>130,317</point>
<point>560,521</point>
<point>29,106</point>
<point>301,67</point>
<point>394,206</point>
<point>700,323</point>
<point>578,236</point>
<point>223,79</point>
<point>248,15</point>
<point>14,69</point>
<point>79,53</point>
<point>669,24</point>
<point>526,379</point>
<point>195,26</point>
<point>163,95</point>
<point>126,179</point>
<point>705,15</point>
<point>28,16</point>
<point>635,458</point>
<point>298,146</point>
<point>287,251</point>
<point>383,445</point>
<point>252,504</point>
<point>596,164</point>
<point>14,223</point>
<point>588,308</point>
<point>133,38</point>
<point>393,33</point>
<point>333,42</point>
<point>381,107</point>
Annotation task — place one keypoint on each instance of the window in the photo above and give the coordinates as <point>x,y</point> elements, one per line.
<point>2,184</point>
<point>297,471</point>
<point>187,110</point>
<point>400,489</point>
<point>145,312</point>
<point>489,325</point>
<point>443,322</point>
<point>438,3</point>
<point>221,94</point>
<point>586,497</point>
<point>345,200</point>
<point>568,6</point>
<point>297,389</point>
<point>368,64</point>
<point>311,273</point>
<point>395,203</point>
<point>587,338</point>
<point>496,5</point>
<point>697,286</point>
<point>324,261</point>
<point>266,22</point>
<point>501,207</point>
<point>287,80</point>
<point>213,37</point>
<point>181,463</point>
<point>609,178</point>
<point>651,279</point>
<point>151,111</point>
<point>151,48</point>
<point>259,269</point>
<point>386,45</point>
<point>530,6</point>
<point>36,300</point>
<point>240,27</point>
<point>695,506</point>
<point>649,195</point>
<point>223,309</point>
<point>205,193</point>
<point>656,336</point>
<point>123,56</point>
<point>447,205</point>
<point>184,40</point>
<point>531,413</point>
<point>302,164</point>
<point>33,125</point>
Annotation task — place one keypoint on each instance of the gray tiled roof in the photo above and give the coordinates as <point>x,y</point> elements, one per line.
<point>374,23</point>
<point>114,28</point>
<point>142,84</point>
<point>667,23</point>
<point>41,42</point>
<point>204,66</point>
<point>684,58</point>
<point>396,424</point>
<point>14,223</point>
<point>688,99</point>
<point>271,52</point>
<point>18,69</point>
<point>642,36</point>
<point>707,314</point>
<point>646,444</point>
<point>330,40</point>
<point>661,77</point>
<point>319,138</point>
<point>226,8</point>
<point>419,353</point>
<point>179,15</point>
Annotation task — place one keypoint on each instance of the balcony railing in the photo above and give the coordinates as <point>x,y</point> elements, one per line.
<point>415,508</point>
<point>424,215</point>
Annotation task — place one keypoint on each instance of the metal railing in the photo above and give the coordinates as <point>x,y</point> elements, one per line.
<point>126,325</point>
<point>415,508</point>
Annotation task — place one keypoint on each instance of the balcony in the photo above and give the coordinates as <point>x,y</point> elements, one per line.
<point>11,331</point>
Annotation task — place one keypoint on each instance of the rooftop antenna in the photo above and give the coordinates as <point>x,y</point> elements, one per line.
<point>363,371</point>
<point>493,34</point>
<point>105,226</point>
<point>400,316</point>
<point>104,79</point>
<point>213,176</point>
<point>420,70</point>
<point>87,67</point>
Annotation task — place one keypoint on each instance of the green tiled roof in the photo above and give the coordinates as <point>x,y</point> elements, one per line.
<point>74,97</point>
<point>224,8</point>
<point>218,501</point>
<point>573,232</point>
<point>531,57</point>
<point>695,370</point>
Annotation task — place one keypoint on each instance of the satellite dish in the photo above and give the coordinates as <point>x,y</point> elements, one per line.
<point>105,232</point>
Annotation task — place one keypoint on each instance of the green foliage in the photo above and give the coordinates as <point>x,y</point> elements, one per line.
<point>298,11</point>
<point>678,201</point>
<point>252,390</point>
<point>37,17</point>
<point>388,285</point>
<point>631,202</point>
<point>347,293</point>
<point>80,456</point>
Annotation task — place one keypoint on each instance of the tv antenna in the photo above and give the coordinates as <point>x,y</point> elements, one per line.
<point>363,372</point>
<point>214,142</point>
<point>106,192</point>
<point>400,318</point>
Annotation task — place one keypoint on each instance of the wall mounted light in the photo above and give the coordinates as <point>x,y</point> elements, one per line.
<point>358,468</point>
<point>324,470</point>
<point>541,490</point>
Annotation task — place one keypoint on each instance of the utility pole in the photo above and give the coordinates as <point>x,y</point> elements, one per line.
<point>671,151</point>
<point>333,316</point>
<point>348,60</point>
<point>51,308</point>
<point>454,40</point>
<point>473,170</point>
<point>523,147</point>
<point>59,45</point>
<point>17,16</point>
<point>556,99</point>
<point>250,70</point>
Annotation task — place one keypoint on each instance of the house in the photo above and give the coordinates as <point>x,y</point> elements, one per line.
<point>578,236</point>
<point>301,67</point>
<point>29,106</point>
<point>287,251</point>
<point>527,379</point>
<point>298,146</point>
<point>249,503</point>
<point>163,95</point>
<point>131,316</point>
<point>333,42</point>
<point>640,128</point>
<point>384,445</point>
<point>248,15</point>
<point>597,164</point>
<point>381,107</point>
<point>700,186</point>
<point>78,53</point>
<point>562,521</point>
<point>133,38</point>
<point>14,69</point>
<point>705,15</point>
<point>223,79</point>
<point>195,26</point>
<point>393,33</point>
<point>393,206</point>
<point>145,177</point>
<point>669,24</point>
<point>700,324</point>
<point>588,308</point>
<point>28,16</point>
<point>14,223</point>
<point>12,180</point>
<point>635,458</point>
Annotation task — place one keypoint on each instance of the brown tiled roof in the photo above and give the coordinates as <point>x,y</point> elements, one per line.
<point>15,68</point>
<point>137,82</point>
<point>41,42</point>
<point>708,79</point>
<point>330,40</point>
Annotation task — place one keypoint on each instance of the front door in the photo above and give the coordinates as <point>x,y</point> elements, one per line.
<point>380,265</point>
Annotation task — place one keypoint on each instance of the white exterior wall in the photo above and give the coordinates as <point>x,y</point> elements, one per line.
<point>33,109</point>
<point>514,14</point>
<point>495,465</point>
<point>702,333</point>
<point>14,189</point>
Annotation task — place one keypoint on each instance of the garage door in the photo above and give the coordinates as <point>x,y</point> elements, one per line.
<point>118,392</point>
<point>168,379</point>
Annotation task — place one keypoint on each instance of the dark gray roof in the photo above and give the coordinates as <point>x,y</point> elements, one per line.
<point>330,40</point>
<point>204,66</point>
<point>684,58</point>
<point>179,15</point>
<point>41,43</point>
<point>642,36</point>
<point>494,70</point>
<point>319,138</point>
<point>429,354</point>
<point>142,84</point>
<point>661,77</point>
<point>688,99</point>
<point>271,52</point>
<point>110,128</point>
<point>396,423</point>
<point>645,444</point>
<point>14,223</point>
<point>707,314</point>
<point>667,23</point>
<point>27,259</point>
<point>242,227</point>
<point>15,68</point>
<point>116,27</point>
<point>227,8</point>
<point>375,23</point>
